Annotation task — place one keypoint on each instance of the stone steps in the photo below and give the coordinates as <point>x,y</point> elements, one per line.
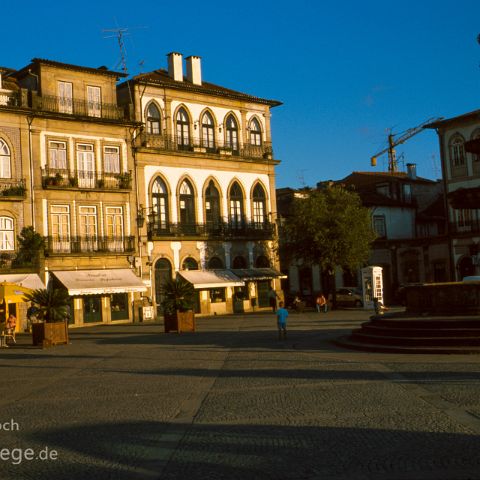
<point>398,333</point>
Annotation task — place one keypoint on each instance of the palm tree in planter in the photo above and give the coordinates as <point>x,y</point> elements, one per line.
<point>178,305</point>
<point>53,311</point>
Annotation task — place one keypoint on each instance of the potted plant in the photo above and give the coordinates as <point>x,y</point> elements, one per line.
<point>124,180</point>
<point>177,306</point>
<point>53,311</point>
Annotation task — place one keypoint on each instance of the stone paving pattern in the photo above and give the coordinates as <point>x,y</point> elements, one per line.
<point>231,401</point>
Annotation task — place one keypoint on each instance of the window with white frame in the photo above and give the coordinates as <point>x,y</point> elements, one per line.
<point>94,101</point>
<point>111,159</point>
<point>85,165</point>
<point>183,129</point>
<point>114,218</point>
<point>457,151</point>
<point>60,224</point>
<point>57,154</point>
<point>465,218</point>
<point>208,131</point>
<point>159,204</point>
<point>231,133</point>
<point>236,205</point>
<point>258,206</point>
<point>7,237</point>
<point>379,226</point>
<point>255,133</point>
<point>65,97</point>
<point>153,120</point>
<point>5,161</point>
<point>87,216</point>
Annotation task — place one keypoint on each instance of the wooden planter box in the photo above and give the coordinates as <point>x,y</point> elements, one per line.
<point>179,322</point>
<point>48,334</point>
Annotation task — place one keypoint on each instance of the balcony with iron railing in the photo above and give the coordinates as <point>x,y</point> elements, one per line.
<point>78,108</point>
<point>465,228</point>
<point>82,179</point>
<point>12,189</point>
<point>89,245</point>
<point>214,230</point>
<point>9,98</point>
<point>198,145</point>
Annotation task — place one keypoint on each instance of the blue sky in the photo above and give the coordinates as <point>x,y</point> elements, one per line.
<point>347,72</point>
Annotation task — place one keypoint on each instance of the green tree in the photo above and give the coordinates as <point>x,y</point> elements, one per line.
<point>329,227</point>
<point>52,304</point>
<point>30,244</point>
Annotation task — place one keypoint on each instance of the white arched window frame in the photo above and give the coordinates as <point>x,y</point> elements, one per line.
<point>457,151</point>
<point>255,133</point>
<point>7,237</point>
<point>231,132</point>
<point>153,120</point>
<point>5,161</point>
<point>159,204</point>
<point>208,131</point>
<point>259,206</point>
<point>183,129</point>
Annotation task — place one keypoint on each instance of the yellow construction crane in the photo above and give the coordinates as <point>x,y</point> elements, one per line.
<point>393,142</point>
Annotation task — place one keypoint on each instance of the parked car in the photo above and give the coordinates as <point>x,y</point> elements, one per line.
<point>349,297</point>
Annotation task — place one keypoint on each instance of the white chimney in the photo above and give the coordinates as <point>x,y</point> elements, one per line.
<point>412,171</point>
<point>194,70</point>
<point>175,66</point>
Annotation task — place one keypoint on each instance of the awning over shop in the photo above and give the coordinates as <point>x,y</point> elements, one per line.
<point>203,279</point>
<point>29,280</point>
<point>253,274</point>
<point>98,282</point>
<point>12,293</point>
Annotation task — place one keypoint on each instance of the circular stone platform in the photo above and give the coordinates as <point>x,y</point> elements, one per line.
<point>403,333</point>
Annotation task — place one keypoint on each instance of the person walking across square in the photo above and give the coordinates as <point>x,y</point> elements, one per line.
<point>282,314</point>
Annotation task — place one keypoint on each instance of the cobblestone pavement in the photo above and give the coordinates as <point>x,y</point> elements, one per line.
<point>231,401</point>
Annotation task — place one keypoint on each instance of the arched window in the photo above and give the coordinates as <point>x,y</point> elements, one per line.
<point>259,204</point>
<point>153,120</point>
<point>208,132</point>
<point>215,263</point>
<point>232,133</point>
<point>457,151</point>
<point>236,206</point>
<point>5,170</point>
<point>7,237</point>
<point>255,133</point>
<point>159,205</point>
<point>187,207</point>
<point>183,129</point>
<point>457,156</point>
<point>163,273</point>
<point>262,262</point>
<point>239,262</point>
<point>212,205</point>
<point>476,156</point>
<point>190,264</point>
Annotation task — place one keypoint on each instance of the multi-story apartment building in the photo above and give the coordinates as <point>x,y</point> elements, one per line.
<point>204,168</point>
<point>65,140</point>
<point>459,139</point>
<point>131,184</point>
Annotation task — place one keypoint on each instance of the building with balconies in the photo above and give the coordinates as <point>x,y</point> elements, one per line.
<point>459,140</point>
<point>205,175</point>
<point>65,140</point>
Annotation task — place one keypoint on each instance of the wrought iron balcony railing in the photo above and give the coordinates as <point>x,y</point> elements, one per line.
<point>64,178</point>
<point>470,226</point>
<point>11,188</point>
<point>89,244</point>
<point>199,145</point>
<point>80,108</point>
<point>220,230</point>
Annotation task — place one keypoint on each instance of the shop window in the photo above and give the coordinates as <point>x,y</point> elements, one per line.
<point>119,306</point>
<point>217,295</point>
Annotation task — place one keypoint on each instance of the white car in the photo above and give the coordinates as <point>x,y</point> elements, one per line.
<point>349,297</point>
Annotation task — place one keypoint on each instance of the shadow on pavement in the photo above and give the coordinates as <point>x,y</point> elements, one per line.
<point>130,451</point>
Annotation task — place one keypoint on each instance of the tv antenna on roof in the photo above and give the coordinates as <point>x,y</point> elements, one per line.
<point>120,34</point>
